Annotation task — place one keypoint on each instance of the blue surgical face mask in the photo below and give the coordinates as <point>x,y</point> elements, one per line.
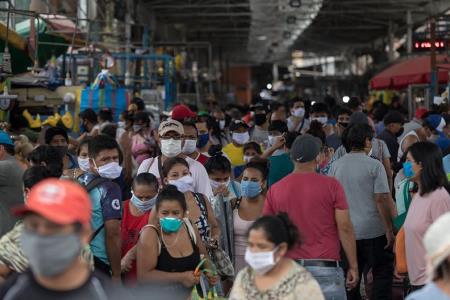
<point>202,140</point>
<point>170,225</point>
<point>143,206</point>
<point>408,169</point>
<point>250,189</point>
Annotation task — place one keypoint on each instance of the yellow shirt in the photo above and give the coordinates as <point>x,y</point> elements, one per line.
<point>235,154</point>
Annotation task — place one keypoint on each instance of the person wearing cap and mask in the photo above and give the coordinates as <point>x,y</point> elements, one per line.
<point>366,186</point>
<point>171,141</point>
<point>106,198</point>
<point>57,227</point>
<point>260,133</point>
<point>323,216</point>
<point>235,150</point>
<point>57,137</point>
<point>393,128</point>
<point>10,182</point>
<point>437,247</point>
<point>434,126</point>
<point>415,123</point>
<point>297,121</point>
<point>191,141</point>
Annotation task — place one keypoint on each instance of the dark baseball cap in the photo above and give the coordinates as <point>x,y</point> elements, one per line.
<point>393,117</point>
<point>305,148</point>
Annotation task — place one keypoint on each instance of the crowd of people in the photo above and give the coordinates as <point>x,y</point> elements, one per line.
<point>278,200</point>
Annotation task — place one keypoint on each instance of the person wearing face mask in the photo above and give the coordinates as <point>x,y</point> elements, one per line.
<point>278,111</point>
<point>297,121</point>
<point>235,150</point>
<point>251,150</point>
<point>12,258</point>
<point>89,123</point>
<point>203,142</point>
<point>270,273</point>
<point>343,120</point>
<point>142,141</point>
<point>57,137</point>
<point>56,229</point>
<point>169,247</point>
<point>434,127</point>
<point>393,123</point>
<point>191,139</point>
<point>82,159</point>
<point>106,198</point>
<point>323,216</point>
<point>136,212</point>
<point>248,207</point>
<point>171,141</point>
<point>321,113</point>
<point>260,133</point>
<point>424,167</point>
<point>176,172</point>
<point>226,191</point>
<point>371,209</point>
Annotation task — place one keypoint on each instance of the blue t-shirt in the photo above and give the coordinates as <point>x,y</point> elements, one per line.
<point>430,291</point>
<point>106,200</point>
<point>443,141</point>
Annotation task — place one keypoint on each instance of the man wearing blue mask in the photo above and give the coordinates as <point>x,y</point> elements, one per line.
<point>191,140</point>
<point>56,230</point>
<point>106,198</point>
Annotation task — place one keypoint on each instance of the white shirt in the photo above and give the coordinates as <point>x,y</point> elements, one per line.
<point>198,171</point>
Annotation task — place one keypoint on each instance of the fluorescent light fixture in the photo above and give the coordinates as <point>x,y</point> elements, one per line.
<point>269,86</point>
<point>262,38</point>
<point>345,99</point>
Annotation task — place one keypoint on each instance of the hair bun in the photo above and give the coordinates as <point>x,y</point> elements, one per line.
<point>215,150</point>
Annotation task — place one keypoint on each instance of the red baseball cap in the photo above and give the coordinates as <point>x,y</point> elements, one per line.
<point>60,201</point>
<point>420,112</point>
<point>181,112</point>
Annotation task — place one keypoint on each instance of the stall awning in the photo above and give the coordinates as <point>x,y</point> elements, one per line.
<point>415,70</point>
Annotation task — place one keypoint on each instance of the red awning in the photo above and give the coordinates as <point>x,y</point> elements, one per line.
<point>415,70</point>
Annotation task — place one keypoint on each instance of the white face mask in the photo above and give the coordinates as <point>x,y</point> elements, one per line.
<point>222,124</point>
<point>111,170</point>
<point>121,124</point>
<point>247,158</point>
<point>298,112</point>
<point>261,262</point>
<point>183,184</point>
<point>83,163</point>
<point>217,184</point>
<point>241,138</point>
<point>189,146</point>
<point>322,120</point>
<point>171,147</point>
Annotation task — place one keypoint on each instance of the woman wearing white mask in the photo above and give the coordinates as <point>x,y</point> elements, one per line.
<point>142,142</point>
<point>297,121</point>
<point>270,274</point>
<point>175,171</point>
<point>135,216</point>
<point>82,158</point>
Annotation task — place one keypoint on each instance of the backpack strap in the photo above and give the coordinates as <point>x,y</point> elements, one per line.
<point>237,203</point>
<point>95,183</point>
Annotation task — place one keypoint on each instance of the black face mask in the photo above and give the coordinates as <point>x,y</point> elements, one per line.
<point>344,124</point>
<point>62,150</point>
<point>260,119</point>
<point>400,132</point>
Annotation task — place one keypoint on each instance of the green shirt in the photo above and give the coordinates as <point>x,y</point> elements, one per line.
<point>280,167</point>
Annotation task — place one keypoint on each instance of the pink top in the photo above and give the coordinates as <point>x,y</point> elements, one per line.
<point>140,143</point>
<point>424,210</point>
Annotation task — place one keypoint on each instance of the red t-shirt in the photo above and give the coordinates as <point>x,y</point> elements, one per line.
<point>310,200</point>
<point>202,158</point>
<point>130,228</point>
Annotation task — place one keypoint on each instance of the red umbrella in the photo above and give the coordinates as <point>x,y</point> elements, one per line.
<point>415,70</point>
